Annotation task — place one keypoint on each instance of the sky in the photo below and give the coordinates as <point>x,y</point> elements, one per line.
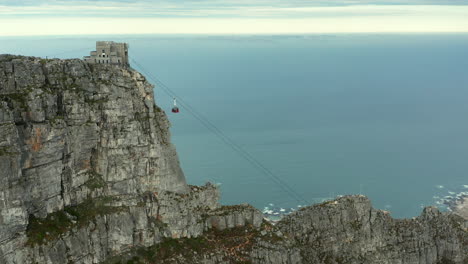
<point>76,17</point>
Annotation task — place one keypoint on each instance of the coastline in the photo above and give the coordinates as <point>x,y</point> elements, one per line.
<point>460,206</point>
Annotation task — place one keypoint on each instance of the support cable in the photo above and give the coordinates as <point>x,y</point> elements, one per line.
<point>227,140</point>
<point>219,133</point>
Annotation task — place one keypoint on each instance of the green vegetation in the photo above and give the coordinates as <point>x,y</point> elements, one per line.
<point>157,109</point>
<point>106,82</point>
<point>356,225</point>
<point>47,89</point>
<point>323,204</point>
<point>165,250</point>
<point>8,57</point>
<point>56,119</point>
<point>50,228</point>
<point>172,247</point>
<point>228,209</point>
<point>95,181</point>
<point>19,98</point>
<point>142,117</point>
<point>445,260</point>
<point>40,231</point>
<point>44,61</point>
<point>6,151</point>
<point>328,259</point>
<point>232,242</point>
<point>92,101</point>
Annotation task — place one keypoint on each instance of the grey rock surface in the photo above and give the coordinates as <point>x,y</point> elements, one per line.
<point>88,175</point>
<point>349,230</point>
<point>345,230</point>
<point>460,207</point>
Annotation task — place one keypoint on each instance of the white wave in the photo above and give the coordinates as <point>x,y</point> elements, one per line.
<point>439,186</point>
<point>452,193</point>
<point>465,186</point>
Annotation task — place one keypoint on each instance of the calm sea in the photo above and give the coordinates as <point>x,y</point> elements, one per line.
<point>381,115</point>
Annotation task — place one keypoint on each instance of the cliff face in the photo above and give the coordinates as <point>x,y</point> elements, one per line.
<point>71,132</point>
<point>87,168</point>
<point>88,174</point>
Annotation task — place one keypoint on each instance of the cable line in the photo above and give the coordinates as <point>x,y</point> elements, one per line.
<point>215,130</point>
<point>227,140</point>
<point>219,133</point>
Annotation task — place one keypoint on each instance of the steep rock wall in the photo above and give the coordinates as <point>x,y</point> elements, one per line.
<point>71,135</point>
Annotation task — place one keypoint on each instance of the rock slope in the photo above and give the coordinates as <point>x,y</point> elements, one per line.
<point>88,175</point>
<point>343,231</point>
<point>460,207</point>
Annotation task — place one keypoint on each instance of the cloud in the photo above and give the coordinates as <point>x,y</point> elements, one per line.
<point>57,17</point>
<point>358,24</point>
<point>220,9</point>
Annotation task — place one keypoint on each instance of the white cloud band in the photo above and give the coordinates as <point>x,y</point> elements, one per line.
<point>350,19</point>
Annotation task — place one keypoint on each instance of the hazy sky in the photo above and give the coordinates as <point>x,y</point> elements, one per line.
<point>58,17</point>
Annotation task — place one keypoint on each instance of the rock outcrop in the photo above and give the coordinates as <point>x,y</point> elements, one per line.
<point>460,207</point>
<point>346,230</point>
<point>88,175</point>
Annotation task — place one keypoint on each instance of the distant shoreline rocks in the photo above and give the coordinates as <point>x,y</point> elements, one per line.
<point>455,200</point>
<point>459,205</point>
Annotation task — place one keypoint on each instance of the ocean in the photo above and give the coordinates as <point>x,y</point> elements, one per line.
<point>383,115</point>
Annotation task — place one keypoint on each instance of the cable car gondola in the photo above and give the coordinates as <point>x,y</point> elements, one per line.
<point>175,109</point>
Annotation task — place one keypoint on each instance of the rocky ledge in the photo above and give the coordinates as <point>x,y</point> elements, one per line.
<point>88,175</point>
<point>460,207</point>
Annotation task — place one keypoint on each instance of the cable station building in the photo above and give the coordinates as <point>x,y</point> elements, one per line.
<point>109,52</point>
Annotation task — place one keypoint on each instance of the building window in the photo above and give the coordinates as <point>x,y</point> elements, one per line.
<point>103,51</point>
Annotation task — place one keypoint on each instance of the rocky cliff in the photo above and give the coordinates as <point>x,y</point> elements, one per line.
<point>88,175</point>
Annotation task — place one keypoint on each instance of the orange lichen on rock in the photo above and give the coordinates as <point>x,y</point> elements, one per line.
<point>86,164</point>
<point>36,140</point>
